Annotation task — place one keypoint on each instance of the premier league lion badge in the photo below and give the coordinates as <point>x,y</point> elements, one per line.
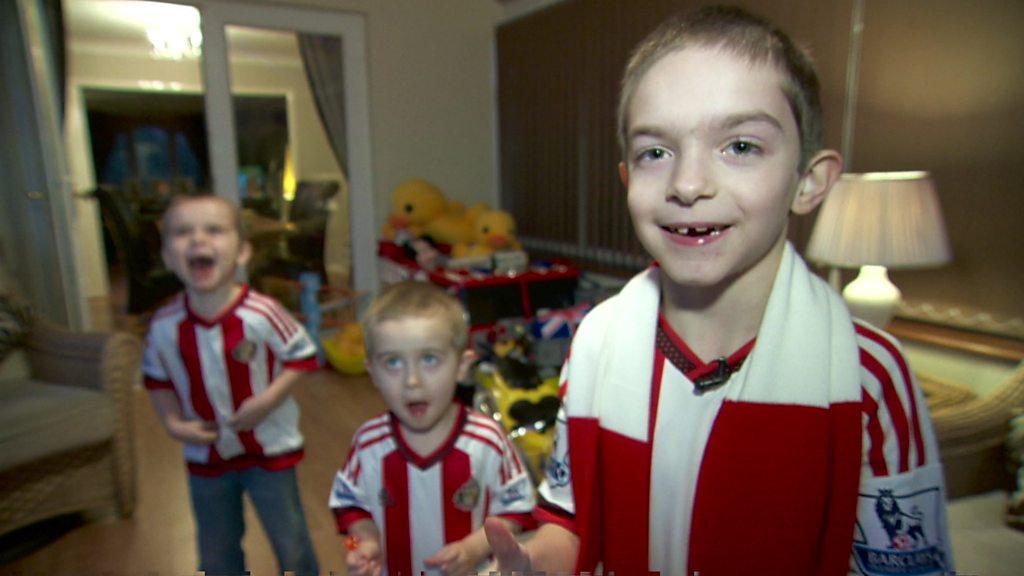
<point>899,533</point>
<point>467,496</point>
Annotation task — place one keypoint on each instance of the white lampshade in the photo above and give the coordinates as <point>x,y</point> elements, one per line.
<point>876,221</point>
<point>889,219</point>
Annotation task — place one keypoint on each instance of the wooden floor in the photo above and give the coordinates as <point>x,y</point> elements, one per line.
<point>158,540</point>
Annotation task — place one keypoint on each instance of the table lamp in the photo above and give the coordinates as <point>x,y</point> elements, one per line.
<point>876,221</point>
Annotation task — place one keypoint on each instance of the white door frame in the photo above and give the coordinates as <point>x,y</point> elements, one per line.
<point>44,203</point>
<point>220,118</point>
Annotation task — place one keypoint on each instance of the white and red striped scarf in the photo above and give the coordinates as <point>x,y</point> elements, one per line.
<point>776,491</point>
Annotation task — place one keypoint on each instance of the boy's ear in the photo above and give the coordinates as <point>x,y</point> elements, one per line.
<point>821,173</point>
<point>244,253</point>
<point>465,361</point>
<point>624,174</point>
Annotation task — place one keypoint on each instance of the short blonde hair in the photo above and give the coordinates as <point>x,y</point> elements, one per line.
<point>180,200</point>
<point>411,299</point>
<point>746,35</point>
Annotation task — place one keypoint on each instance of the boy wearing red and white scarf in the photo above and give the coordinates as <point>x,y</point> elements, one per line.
<point>723,414</point>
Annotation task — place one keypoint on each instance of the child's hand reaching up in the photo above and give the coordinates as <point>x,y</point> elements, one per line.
<point>456,559</point>
<point>363,557</point>
<point>509,554</point>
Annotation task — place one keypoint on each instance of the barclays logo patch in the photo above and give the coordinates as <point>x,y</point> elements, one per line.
<point>900,535</point>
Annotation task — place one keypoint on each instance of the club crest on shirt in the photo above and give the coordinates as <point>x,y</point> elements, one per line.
<point>385,497</point>
<point>467,496</point>
<point>901,534</point>
<point>244,351</point>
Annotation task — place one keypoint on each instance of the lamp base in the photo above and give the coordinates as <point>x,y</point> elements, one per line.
<point>871,296</point>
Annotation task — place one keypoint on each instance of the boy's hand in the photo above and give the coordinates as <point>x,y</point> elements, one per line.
<point>455,559</point>
<point>364,559</point>
<point>195,431</point>
<point>509,554</point>
<point>252,411</point>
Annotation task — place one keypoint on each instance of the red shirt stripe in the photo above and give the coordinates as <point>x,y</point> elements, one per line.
<point>239,375</point>
<point>908,383</point>
<point>893,405</point>
<point>190,356</point>
<point>278,327</point>
<point>455,472</point>
<point>876,452</point>
<point>397,537</point>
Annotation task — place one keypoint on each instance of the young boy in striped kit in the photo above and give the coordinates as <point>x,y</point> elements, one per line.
<point>723,414</point>
<point>421,478</point>
<point>220,362</point>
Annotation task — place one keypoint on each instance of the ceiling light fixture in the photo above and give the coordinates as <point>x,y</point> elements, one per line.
<point>173,43</point>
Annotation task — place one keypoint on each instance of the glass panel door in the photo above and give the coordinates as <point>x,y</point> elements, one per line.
<point>308,196</point>
<point>136,133</point>
<point>290,182</point>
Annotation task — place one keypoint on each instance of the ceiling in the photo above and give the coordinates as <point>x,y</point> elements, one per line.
<point>122,24</point>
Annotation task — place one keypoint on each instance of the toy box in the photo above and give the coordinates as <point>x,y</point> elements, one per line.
<point>490,296</point>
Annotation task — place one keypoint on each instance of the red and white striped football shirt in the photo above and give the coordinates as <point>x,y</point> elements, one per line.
<point>729,481</point>
<point>420,504</point>
<point>213,366</point>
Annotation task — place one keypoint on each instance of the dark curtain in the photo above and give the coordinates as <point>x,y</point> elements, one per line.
<point>325,72</point>
<point>53,13</point>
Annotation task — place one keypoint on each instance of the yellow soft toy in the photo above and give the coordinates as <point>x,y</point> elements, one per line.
<point>455,226</point>
<point>345,350</point>
<point>414,203</point>
<point>493,230</point>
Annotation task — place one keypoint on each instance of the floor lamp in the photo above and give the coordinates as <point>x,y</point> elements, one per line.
<point>879,221</point>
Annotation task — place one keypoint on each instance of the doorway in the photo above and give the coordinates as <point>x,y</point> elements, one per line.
<point>249,74</point>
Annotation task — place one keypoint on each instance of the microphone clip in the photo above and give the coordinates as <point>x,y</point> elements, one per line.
<point>714,379</point>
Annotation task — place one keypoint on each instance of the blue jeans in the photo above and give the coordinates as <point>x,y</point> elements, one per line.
<point>217,506</point>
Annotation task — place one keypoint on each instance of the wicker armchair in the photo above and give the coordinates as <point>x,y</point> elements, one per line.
<point>972,432</point>
<point>66,442</point>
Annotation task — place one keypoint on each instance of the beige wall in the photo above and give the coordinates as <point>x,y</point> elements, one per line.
<point>949,98</point>
<point>432,93</point>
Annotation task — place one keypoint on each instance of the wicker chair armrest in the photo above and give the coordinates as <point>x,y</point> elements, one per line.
<point>106,362</point>
<point>978,418</point>
<point>100,361</point>
<point>941,394</point>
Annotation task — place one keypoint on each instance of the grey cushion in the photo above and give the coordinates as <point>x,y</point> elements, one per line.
<point>40,419</point>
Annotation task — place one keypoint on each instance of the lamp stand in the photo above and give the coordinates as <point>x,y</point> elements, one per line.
<point>871,296</point>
